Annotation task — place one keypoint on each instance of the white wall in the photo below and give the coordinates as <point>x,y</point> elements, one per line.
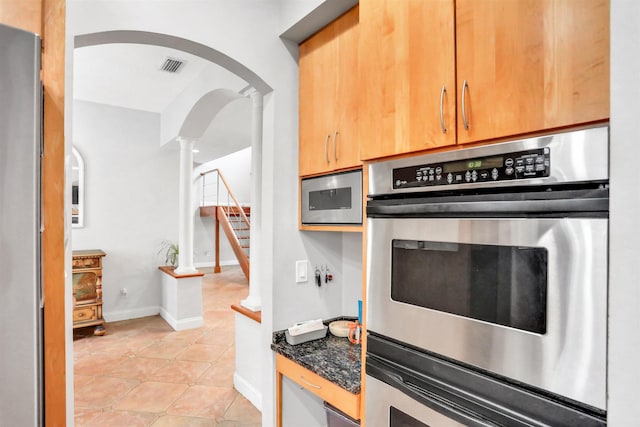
<point>236,169</point>
<point>624,292</point>
<point>131,197</point>
<point>294,10</point>
<point>302,18</point>
<point>351,273</point>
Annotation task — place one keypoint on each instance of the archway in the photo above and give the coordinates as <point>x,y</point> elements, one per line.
<point>204,111</point>
<point>178,43</point>
<point>200,115</point>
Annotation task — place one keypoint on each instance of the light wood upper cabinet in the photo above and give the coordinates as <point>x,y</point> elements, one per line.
<point>531,65</point>
<point>329,98</point>
<point>407,68</point>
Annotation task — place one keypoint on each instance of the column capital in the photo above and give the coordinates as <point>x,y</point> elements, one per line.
<point>248,91</point>
<point>183,140</point>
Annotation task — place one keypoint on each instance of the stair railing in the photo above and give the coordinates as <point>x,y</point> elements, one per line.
<point>230,197</point>
<point>223,214</point>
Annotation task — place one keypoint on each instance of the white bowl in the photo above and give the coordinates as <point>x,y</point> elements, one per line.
<point>340,328</point>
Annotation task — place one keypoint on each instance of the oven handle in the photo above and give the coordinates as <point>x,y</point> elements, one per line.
<point>592,207</point>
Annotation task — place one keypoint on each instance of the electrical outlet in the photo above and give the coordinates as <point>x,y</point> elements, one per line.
<point>124,292</point>
<point>301,271</point>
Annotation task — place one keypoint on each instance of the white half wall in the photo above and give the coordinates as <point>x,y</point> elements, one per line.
<point>247,378</point>
<point>131,192</point>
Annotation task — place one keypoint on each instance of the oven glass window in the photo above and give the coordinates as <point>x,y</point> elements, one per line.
<point>335,198</point>
<point>400,419</point>
<point>505,285</point>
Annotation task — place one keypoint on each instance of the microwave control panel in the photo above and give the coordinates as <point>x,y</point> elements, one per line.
<point>503,167</point>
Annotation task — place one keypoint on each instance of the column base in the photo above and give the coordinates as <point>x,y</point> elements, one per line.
<point>185,271</point>
<point>253,304</point>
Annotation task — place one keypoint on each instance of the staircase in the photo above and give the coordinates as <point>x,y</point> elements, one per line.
<point>231,216</point>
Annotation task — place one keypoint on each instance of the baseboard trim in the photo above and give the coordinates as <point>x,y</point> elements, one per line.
<point>252,394</point>
<point>183,324</point>
<point>116,316</point>
<point>213,264</point>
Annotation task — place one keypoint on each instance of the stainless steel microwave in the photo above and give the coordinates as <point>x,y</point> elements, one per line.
<point>332,199</point>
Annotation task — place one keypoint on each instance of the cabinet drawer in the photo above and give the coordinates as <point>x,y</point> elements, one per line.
<point>348,403</point>
<point>85,314</point>
<point>82,263</point>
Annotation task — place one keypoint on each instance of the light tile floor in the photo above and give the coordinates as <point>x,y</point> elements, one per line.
<point>143,373</point>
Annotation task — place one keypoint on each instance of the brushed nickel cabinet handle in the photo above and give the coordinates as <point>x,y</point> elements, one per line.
<point>464,112</point>
<point>335,145</point>
<point>308,383</point>
<point>442,92</point>
<point>326,148</point>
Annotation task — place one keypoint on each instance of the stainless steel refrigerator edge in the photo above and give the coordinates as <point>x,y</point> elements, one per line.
<point>21,379</point>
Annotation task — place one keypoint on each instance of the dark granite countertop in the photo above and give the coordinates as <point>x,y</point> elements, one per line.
<point>331,357</point>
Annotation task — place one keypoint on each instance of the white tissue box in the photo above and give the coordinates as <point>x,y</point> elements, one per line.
<point>306,336</point>
<point>306,326</point>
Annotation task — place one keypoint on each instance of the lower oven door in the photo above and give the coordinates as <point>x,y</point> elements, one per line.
<point>387,406</point>
<point>524,298</point>
<point>410,388</point>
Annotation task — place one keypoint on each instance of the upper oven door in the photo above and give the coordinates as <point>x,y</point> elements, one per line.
<point>525,298</point>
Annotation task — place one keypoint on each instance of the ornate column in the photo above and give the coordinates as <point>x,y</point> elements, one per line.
<point>185,206</point>
<point>253,301</point>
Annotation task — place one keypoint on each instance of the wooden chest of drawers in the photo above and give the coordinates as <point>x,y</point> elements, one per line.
<point>87,289</point>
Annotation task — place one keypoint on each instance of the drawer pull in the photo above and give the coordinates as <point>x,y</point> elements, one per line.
<point>308,383</point>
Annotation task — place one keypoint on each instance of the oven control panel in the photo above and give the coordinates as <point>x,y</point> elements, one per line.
<point>503,167</point>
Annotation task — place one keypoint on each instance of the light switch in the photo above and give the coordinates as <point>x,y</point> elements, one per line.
<point>301,271</point>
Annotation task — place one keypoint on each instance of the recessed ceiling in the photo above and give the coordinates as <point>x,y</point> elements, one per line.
<point>130,76</point>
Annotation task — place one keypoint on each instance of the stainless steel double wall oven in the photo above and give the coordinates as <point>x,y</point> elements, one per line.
<point>487,285</point>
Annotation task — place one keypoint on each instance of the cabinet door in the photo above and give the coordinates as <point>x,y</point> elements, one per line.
<point>344,147</point>
<point>317,86</point>
<point>407,57</point>
<point>531,65</point>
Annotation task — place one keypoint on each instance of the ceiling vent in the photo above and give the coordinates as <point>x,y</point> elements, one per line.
<point>172,65</point>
